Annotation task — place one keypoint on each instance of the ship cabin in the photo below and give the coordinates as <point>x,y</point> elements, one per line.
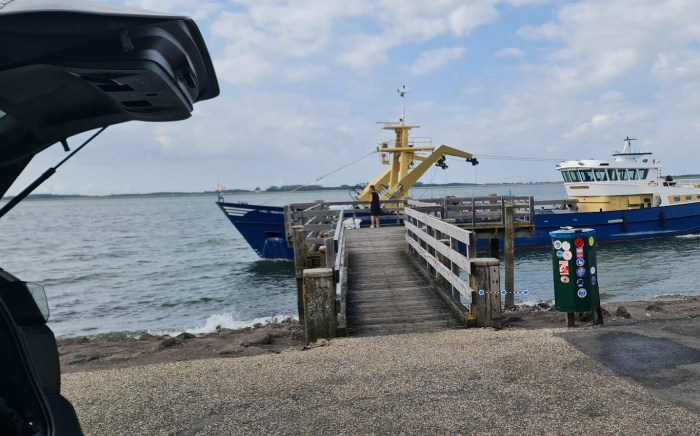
<point>631,181</point>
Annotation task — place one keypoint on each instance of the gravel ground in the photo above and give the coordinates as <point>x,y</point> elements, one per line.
<point>472,381</point>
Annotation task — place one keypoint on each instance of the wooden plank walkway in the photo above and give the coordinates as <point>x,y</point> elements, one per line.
<point>386,294</point>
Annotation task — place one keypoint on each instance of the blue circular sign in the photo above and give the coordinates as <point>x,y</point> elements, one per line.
<point>580,271</point>
<point>481,292</point>
<point>579,283</point>
<point>582,293</point>
<point>593,280</point>
<point>526,292</point>
<point>560,254</point>
<point>579,262</point>
<point>503,292</point>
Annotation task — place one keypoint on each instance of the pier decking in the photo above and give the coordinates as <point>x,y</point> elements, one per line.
<point>386,294</point>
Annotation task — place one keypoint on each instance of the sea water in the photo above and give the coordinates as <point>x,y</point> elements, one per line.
<point>175,263</point>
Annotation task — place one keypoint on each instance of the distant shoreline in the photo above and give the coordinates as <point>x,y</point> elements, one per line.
<point>244,191</point>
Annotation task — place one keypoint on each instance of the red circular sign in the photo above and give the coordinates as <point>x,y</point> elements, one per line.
<point>578,242</point>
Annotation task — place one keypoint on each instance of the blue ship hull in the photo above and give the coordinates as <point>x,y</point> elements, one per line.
<point>263,226</point>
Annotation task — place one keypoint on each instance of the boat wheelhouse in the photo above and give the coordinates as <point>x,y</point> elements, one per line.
<point>631,181</point>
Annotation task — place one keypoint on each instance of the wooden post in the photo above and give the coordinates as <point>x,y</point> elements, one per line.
<point>299,240</point>
<point>486,276</point>
<point>320,319</point>
<point>508,251</point>
<point>330,252</point>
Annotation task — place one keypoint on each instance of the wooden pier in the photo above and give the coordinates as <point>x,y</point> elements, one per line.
<point>421,276</point>
<point>386,294</point>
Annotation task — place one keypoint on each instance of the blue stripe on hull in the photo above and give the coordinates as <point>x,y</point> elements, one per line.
<point>263,226</point>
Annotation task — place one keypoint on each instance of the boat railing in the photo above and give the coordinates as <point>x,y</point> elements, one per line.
<point>685,183</point>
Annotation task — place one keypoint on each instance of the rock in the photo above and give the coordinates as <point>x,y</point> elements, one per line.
<point>169,342</point>
<point>321,342</point>
<point>257,338</point>
<point>230,350</point>
<point>622,312</point>
<point>80,358</point>
<point>654,308</point>
<point>185,335</point>
<point>148,337</point>
<point>605,312</point>
<point>257,325</point>
<point>543,305</point>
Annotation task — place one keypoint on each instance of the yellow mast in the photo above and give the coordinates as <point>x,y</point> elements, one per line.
<point>396,181</point>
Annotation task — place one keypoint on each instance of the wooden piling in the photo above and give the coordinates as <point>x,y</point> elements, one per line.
<point>320,318</point>
<point>486,276</point>
<point>508,251</point>
<point>299,242</point>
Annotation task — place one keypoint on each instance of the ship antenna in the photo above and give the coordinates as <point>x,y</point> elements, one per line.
<point>402,92</point>
<point>628,145</point>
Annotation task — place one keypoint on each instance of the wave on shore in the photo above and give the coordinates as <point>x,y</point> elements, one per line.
<point>224,320</point>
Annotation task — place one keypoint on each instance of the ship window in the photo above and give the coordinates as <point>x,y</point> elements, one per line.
<point>676,198</point>
<point>643,174</point>
<point>697,197</point>
<point>612,174</point>
<point>574,176</point>
<point>622,174</point>
<point>688,197</point>
<point>633,174</point>
<point>601,176</point>
<point>566,176</point>
<point>586,175</point>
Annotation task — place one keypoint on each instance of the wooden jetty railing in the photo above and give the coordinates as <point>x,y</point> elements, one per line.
<point>447,254</point>
<point>321,271</point>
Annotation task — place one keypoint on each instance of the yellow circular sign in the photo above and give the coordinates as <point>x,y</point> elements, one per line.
<point>591,241</point>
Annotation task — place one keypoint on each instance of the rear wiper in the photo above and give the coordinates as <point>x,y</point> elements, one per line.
<point>48,173</point>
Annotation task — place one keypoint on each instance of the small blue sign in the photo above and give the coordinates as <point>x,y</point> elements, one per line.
<point>560,254</point>
<point>593,280</point>
<point>580,271</point>
<point>526,292</point>
<point>579,283</point>
<point>579,262</point>
<point>582,293</point>
<point>503,292</point>
<point>481,292</point>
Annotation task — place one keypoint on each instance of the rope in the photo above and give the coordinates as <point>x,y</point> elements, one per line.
<point>318,179</point>
<point>534,159</point>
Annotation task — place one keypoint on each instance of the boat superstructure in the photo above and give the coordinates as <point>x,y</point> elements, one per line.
<point>632,180</point>
<point>408,159</point>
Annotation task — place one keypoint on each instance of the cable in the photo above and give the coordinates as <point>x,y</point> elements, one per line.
<point>316,180</point>
<point>485,156</point>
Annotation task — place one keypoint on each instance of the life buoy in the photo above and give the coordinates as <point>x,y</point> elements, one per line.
<point>653,183</point>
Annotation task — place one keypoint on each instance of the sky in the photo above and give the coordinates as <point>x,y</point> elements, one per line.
<point>303,83</point>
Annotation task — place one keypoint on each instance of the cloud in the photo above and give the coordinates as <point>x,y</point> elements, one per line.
<point>548,31</point>
<point>603,121</point>
<point>510,53</point>
<point>433,60</point>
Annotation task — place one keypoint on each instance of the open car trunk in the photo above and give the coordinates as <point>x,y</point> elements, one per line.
<point>67,67</point>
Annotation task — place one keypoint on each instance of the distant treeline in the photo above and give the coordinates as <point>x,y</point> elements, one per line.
<point>283,188</point>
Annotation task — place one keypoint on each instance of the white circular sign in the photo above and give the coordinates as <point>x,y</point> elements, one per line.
<point>557,245</point>
<point>565,245</point>
<point>567,255</point>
